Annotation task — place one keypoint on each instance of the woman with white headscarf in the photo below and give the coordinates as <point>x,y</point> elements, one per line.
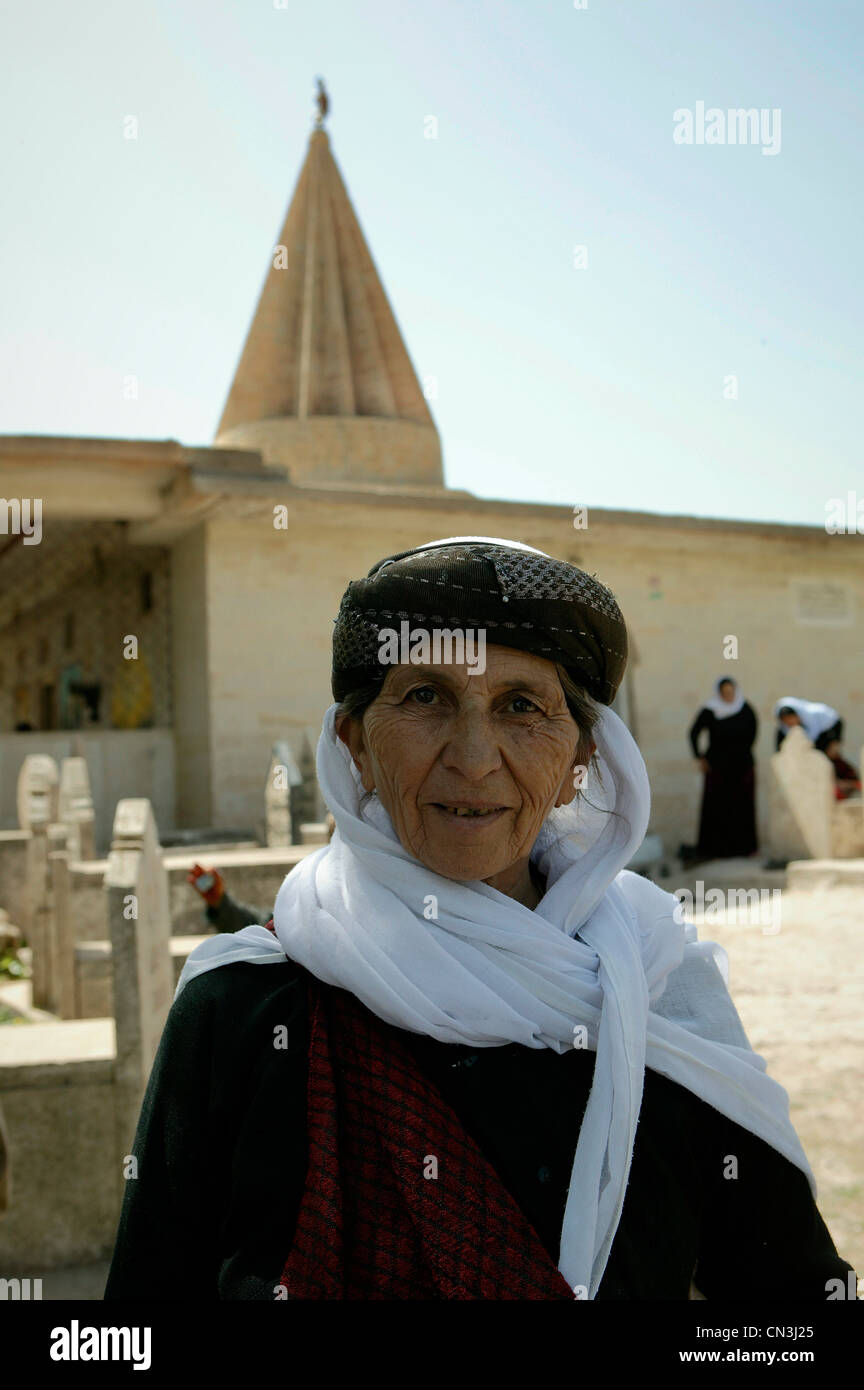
<point>727,818</point>
<point>422,1079</point>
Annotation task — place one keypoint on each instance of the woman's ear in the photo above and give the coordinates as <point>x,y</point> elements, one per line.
<point>350,730</point>
<point>585,755</point>
<point>575,777</point>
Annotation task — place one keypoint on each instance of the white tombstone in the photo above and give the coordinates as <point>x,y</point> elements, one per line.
<point>314,806</point>
<point>283,776</point>
<point>75,807</point>
<point>37,809</point>
<point>46,981</point>
<point>800,800</point>
<point>140,927</point>
<point>65,993</point>
<point>38,791</point>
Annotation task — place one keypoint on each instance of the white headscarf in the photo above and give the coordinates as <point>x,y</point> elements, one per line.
<point>720,708</point>
<point>604,950</point>
<point>815,717</point>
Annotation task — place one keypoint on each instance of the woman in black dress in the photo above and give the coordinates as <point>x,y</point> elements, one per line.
<point>727,824</point>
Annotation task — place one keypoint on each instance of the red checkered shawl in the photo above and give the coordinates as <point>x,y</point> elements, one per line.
<point>399,1202</point>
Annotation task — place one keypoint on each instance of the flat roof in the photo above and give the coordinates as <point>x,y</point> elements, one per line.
<point>212,466</point>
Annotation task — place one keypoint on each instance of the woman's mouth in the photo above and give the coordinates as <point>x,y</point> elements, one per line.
<point>472,813</point>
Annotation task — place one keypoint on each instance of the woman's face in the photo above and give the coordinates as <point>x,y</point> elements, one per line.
<point>438,737</point>
<point>727,691</point>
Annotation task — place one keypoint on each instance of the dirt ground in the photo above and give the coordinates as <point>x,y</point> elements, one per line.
<point>800,994</point>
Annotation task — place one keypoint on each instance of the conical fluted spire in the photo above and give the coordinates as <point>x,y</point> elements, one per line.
<point>324,350</point>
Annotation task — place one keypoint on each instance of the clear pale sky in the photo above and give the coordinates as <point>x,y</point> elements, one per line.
<point>599,386</point>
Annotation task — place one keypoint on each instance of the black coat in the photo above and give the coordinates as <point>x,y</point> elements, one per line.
<point>231,915</point>
<point>221,1144</point>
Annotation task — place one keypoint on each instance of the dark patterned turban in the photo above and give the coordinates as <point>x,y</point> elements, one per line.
<point>520,597</point>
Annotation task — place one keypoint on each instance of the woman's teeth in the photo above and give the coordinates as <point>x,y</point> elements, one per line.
<point>467,811</point>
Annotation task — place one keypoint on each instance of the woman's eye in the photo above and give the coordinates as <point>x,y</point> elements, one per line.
<point>525,701</point>
<point>426,694</point>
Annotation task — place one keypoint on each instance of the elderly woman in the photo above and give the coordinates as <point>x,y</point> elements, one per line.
<point>484,1060</point>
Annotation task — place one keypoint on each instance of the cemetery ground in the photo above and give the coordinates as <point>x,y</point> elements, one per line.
<point>800,995</point>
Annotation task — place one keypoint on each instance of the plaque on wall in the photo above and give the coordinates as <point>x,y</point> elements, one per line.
<point>823,603</point>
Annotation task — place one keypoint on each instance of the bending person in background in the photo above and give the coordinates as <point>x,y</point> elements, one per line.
<point>727,823</point>
<point>821,723</point>
<point>221,910</point>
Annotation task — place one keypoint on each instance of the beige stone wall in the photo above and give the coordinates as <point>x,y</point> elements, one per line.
<point>272,596</point>
<point>191,622</point>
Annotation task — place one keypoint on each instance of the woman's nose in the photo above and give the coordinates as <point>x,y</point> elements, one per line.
<point>471,745</point>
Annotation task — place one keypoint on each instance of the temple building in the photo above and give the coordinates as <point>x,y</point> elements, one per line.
<point>174,619</point>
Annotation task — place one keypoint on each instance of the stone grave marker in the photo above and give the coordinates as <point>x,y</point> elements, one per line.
<point>37,809</point>
<point>800,800</point>
<point>38,791</point>
<point>140,927</point>
<point>64,982</point>
<point>283,781</point>
<point>75,808</point>
<point>313,807</point>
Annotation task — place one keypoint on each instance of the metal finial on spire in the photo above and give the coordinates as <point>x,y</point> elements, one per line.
<point>322,101</point>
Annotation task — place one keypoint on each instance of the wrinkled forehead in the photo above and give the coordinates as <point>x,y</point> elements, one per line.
<point>502,668</point>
